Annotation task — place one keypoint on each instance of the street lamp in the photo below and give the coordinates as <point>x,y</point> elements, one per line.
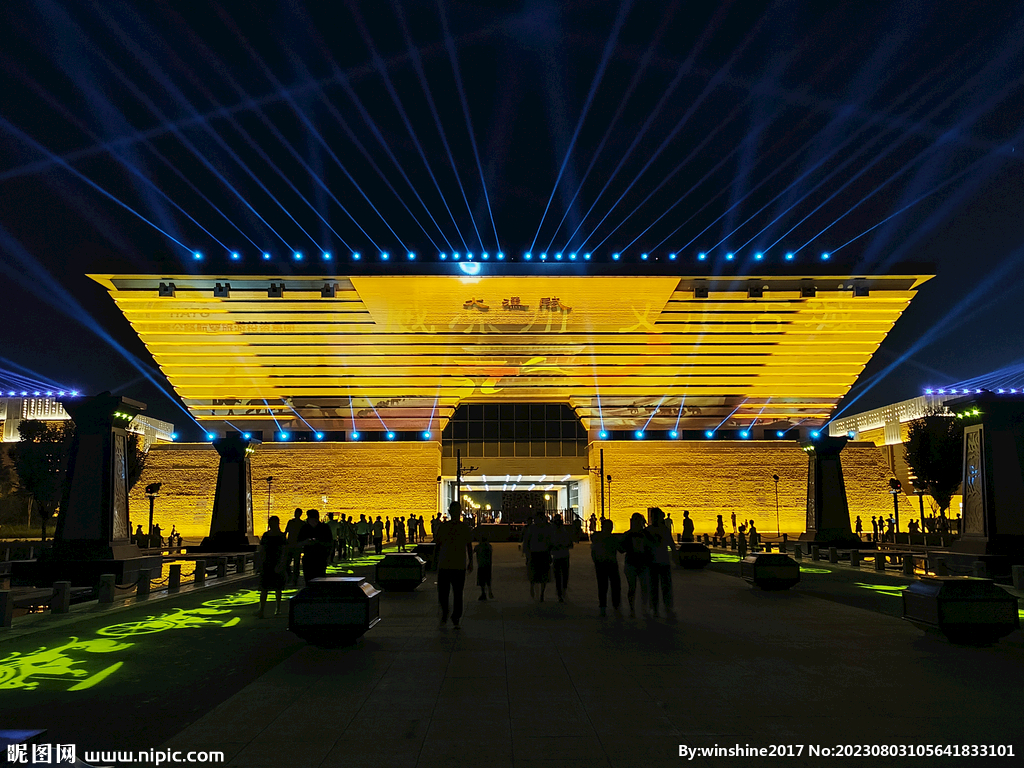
<point>609,495</point>
<point>269,481</point>
<point>599,471</point>
<point>152,491</point>
<point>778,526</point>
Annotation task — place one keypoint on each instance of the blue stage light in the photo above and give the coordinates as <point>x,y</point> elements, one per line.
<point>603,435</point>
<point>1013,391</point>
<point>383,255</point>
<point>952,391</point>
<point>455,255</point>
<point>297,255</point>
<point>49,394</point>
<point>426,434</point>
<point>391,435</point>
<point>469,255</point>
<point>10,394</point>
<point>928,391</point>
<point>815,434</point>
<point>789,257</point>
<point>356,256</point>
<point>1000,391</point>
<point>729,256</point>
<point>977,391</point>
<point>74,394</point>
<point>639,434</point>
<point>210,436</point>
<point>615,257</point>
<point>543,256</point>
<point>197,256</point>
<point>824,257</point>
<point>586,256</point>
<point>851,434</point>
<point>744,434</point>
<point>318,435</point>
<point>444,256</point>
<point>354,435</point>
<point>59,394</point>
<point>282,435</point>
<point>247,435</point>
<point>780,433</point>
<point>484,256</point>
<point>174,435</point>
<point>235,255</point>
<point>709,434</point>
<point>942,391</point>
<point>671,257</point>
<point>643,256</point>
<point>36,394</point>
<point>266,256</point>
<point>673,434</point>
<point>527,255</point>
<point>411,256</point>
<point>327,255</point>
<point>558,256</point>
<point>572,257</point>
<point>501,256</point>
<point>24,394</point>
<point>758,256</point>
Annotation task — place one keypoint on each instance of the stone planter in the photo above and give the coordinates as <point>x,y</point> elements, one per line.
<point>401,572</point>
<point>692,555</point>
<point>336,610</point>
<point>770,572</point>
<point>965,609</point>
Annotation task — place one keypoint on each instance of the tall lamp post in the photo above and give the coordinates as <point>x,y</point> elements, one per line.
<point>599,471</point>
<point>269,481</point>
<point>609,495</point>
<point>152,491</point>
<point>778,525</point>
<point>895,486</point>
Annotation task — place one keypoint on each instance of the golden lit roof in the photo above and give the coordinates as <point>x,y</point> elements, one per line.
<point>403,351</point>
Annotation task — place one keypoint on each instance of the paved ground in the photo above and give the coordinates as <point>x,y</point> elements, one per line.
<point>531,684</point>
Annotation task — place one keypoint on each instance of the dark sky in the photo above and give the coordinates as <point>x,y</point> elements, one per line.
<point>883,133</point>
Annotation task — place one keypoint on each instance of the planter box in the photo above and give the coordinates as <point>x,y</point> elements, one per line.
<point>770,571</point>
<point>692,555</point>
<point>428,552</point>
<point>336,610</point>
<point>401,572</point>
<point>965,609</point>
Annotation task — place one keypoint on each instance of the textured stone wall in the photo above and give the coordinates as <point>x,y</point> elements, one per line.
<point>725,476</point>
<point>372,478</point>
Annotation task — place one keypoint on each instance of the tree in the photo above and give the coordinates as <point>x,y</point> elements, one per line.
<point>41,461</point>
<point>934,451</point>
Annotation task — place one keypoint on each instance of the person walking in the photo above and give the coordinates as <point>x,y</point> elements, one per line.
<point>538,542</point>
<point>874,528</point>
<point>606,565</point>
<point>421,529</point>
<point>362,533</point>
<point>378,536</point>
<point>484,557</point>
<point>434,522</point>
<point>454,561</point>
<point>670,524</point>
<point>400,533</point>
<point>410,528</point>
<point>858,527</point>
<point>720,529</point>
<point>687,526</point>
<point>661,562</point>
<point>592,525</point>
<point>637,547</point>
<point>293,552</point>
<point>272,554</point>
<point>343,537</point>
<point>334,525</point>
<point>315,541</point>
<point>755,537</point>
<point>561,542</point>
<point>387,529</point>
<point>734,522</point>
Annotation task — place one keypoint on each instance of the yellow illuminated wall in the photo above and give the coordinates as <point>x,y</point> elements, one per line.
<point>719,477</point>
<point>388,479</point>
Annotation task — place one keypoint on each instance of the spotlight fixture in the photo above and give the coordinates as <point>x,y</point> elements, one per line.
<point>643,256</point>
<point>391,435</point>
<point>729,256</point>
<point>384,256</point>
<point>673,434</point>
<point>222,291</point>
<point>174,435</point>
<point>455,255</point>
<point>275,291</point>
<point>851,434</point>
<point>469,255</point>
<point>166,290</point>
<point>318,435</point>
<point>586,256</point>
<point>709,434</point>
<point>558,256</point>
<point>639,434</point>
<point>426,434</point>
<point>702,256</point>
<point>572,257</point>
<point>603,435</point>
<point>527,255</point>
<point>485,256</point>
<point>235,255</point>
<point>297,256</point>
<point>197,256</point>
<point>354,435</point>
<point>356,256</point>
<point>443,256</point>
<point>780,433</point>
<point>247,435</point>
<point>501,256</point>
<point>758,256</point>
<point>328,290</point>
<point>815,434</point>
<point>282,435</point>
<point>671,257</point>
<point>411,256</point>
<point>789,256</point>
<point>543,257</point>
<point>210,436</point>
<point>327,255</point>
<point>266,257</point>
<point>745,434</point>
<point>825,256</point>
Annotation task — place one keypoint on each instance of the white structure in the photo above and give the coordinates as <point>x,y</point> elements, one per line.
<point>889,417</point>
<point>14,410</point>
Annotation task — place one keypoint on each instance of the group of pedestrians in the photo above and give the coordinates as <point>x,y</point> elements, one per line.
<point>307,543</point>
<point>546,547</point>
<point>647,564</point>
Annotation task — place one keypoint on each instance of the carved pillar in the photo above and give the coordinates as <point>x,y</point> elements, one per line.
<point>828,514</point>
<point>231,529</point>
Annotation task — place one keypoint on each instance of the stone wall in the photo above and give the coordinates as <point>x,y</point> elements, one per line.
<point>724,476</point>
<point>371,478</point>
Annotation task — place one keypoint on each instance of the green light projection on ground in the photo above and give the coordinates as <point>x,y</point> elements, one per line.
<point>885,589</point>
<point>724,557</point>
<point>27,671</point>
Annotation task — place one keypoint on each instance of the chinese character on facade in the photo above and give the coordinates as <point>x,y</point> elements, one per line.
<point>553,304</point>
<point>17,753</point>
<point>66,754</point>
<point>514,304</point>
<point>42,753</point>
<point>476,304</point>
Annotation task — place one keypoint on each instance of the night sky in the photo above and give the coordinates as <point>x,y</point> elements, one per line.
<point>133,135</point>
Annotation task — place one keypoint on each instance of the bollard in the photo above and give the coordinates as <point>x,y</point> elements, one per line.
<point>6,608</point>
<point>767,546</point>
<point>105,590</point>
<point>240,564</point>
<point>879,560</point>
<point>798,553</point>
<point>815,553</point>
<point>855,558</point>
<point>222,567</point>
<point>1018,576</point>
<point>174,577</point>
<point>940,567</point>
<point>833,555</point>
<point>200,572</point>
<point>785,541</point>
<point>705,539</point>
<point>742,548</point>
<point>61,600</point>
<point>908,565</point>
<point>31,553</point>
<point>732,541</point>
<point>142,586</point>
<point>980,569</point>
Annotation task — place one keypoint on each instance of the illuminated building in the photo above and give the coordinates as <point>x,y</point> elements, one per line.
<point>369,383</point>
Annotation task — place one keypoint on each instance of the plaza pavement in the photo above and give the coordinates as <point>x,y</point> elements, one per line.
<point>551,685</point>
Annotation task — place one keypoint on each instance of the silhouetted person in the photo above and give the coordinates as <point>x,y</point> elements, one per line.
<point>387,529</point>
<point>272,548</point>
<point>293,552</point>
<point>687,526</point>
<point>315,541</point>
<point>410,528</point>
<point>140,538</point>
<point>606,566</point>
<point>858,527</point>
<point>400,533</point>
<point>484,557</point>
<point>755,537</point>
<point>335,526</point>
<point>720,529</point>
<point>537,541</point>
<point>561,543</point>
<point>362,533</point>
<point>637,547</point>
<point>378,536</point>
<point>454,561</point>
<point>661,561</point>
<point>592,527</point>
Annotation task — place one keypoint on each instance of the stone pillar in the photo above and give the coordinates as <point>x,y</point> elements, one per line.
<point>231,529</point>
<point>855,558</point>
<point>107,588</point>
<point>828,515</point>
<point>61,601</point>
<point>174,577</point>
